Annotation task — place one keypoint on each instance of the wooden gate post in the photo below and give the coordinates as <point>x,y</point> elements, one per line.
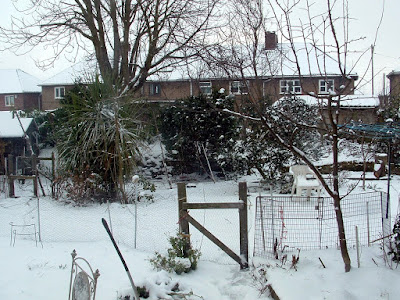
<point>244,241</point>
<point>10,172</point>
<point>183,223</point>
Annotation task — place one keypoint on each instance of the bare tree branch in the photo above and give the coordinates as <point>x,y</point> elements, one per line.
<point>129,39</point>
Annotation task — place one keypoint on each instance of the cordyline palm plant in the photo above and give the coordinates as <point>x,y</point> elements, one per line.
<point>98,136</point>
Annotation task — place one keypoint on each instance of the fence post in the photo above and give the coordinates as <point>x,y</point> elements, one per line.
<point>357,247</point>
<point>53,173</point>
<point>10,171</point>
<point>368,232</point>
<point>183,223</point>
<point>35,174</point>
<point>244,244</point>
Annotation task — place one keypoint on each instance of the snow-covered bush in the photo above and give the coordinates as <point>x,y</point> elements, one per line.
<point>177,260</point>
<point>79,187</point>
<point>395,251</point>
<point>196,129</point>
<point>257,150</point>
<point>45,124</point>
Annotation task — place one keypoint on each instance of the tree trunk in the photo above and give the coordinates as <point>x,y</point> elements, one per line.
<point>118,152</point>
<point>334,119</point>
<point>342,235</point>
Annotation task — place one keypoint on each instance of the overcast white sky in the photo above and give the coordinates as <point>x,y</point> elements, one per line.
<point>366,13</point>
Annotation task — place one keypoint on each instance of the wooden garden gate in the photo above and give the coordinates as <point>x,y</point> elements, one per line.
<point>185,219</point>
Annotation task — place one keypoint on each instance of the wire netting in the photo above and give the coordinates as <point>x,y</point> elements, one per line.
<point>288,223</point>
<point>146,225</point>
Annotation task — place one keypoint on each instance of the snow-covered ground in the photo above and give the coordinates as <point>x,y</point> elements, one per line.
<point>29,272</point>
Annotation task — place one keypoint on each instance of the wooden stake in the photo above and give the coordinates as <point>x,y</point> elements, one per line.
<point>244,242</point>
<point>183,223</point>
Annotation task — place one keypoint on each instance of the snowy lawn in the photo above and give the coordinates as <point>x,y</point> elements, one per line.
<point>30,272</point>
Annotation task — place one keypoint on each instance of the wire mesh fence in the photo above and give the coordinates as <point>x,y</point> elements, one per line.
<point>146,225</point>
<point>288,223</point>
<point>285,221</point>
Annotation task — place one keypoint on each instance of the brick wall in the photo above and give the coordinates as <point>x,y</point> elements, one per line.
<point>25,101</point>
<point>171,90</point>
<point>394,84</point>
<point>364,115</point>
<point>179,89</point>
<point>48,97</point>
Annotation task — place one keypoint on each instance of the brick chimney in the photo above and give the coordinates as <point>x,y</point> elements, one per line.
<point>271,40</point>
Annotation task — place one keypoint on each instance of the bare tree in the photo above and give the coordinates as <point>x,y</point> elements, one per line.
<point>317,34</point>
<point>240,54</point>
<point>130,39</point>
<point>328,32</point>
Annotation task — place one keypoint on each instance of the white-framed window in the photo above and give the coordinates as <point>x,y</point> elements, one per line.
<point>205,87</point>
<point>290,86</point>
<point>326,85</point>
<point>239,87</point>
<point>59,92</point>
<point>9,100</point>
<point>155,88</point>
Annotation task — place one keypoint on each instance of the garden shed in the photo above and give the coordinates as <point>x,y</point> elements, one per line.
<point>18,136</point>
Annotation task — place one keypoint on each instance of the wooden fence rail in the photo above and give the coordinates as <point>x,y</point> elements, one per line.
<point>35,177</point>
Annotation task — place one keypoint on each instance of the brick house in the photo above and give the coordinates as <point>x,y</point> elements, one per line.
<point>54,88</point>
<point>278,78</point>
<point>19,90</point>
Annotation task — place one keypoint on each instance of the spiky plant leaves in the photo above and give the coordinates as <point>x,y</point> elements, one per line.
<point>99,130</point>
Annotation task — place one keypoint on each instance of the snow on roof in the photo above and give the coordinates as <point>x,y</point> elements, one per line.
<point>280,62</point>
<point>17,81</point>
<point>79,72</point>
<point>312,61</point>
<point>10,127</point>
<point>349,101</point>
<point>359,101</point>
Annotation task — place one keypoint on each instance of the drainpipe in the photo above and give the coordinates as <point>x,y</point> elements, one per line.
<point>40,101</point>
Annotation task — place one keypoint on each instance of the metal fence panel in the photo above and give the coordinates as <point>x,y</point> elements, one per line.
<point>287,223</point>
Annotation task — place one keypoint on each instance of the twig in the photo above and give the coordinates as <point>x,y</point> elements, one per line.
<point>321,262</point>
<point>375,262</point>
<point>383,238</point>
<point>184,295</point>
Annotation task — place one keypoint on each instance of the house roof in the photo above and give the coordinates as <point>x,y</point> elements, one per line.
<point>349,101</point>
<point>10,127</point>
<point>281,62</point>
<point>312,61</point>
<point>18,81</point>
<point>79,72</point>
